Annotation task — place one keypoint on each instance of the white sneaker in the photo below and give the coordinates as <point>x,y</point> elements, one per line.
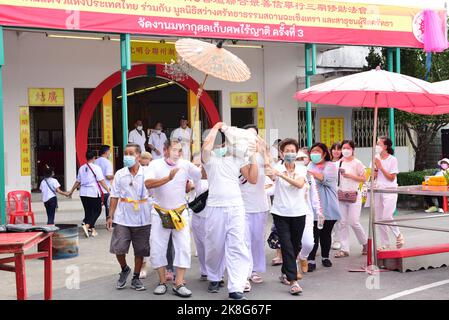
<point>440,210</point>
<point>86,230</point>
<point>336,245</point>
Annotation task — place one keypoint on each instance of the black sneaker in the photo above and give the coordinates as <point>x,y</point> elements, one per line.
<point>327,263</point>
<point>137,284</point>
<point>121,283</point>
<point>214,287</point>
<point>237,296</point>
<point>311,267</point>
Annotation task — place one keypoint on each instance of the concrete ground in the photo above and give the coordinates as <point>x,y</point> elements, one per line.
<point>93,274</point>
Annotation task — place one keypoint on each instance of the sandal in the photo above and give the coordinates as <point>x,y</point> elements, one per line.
<point>247,287</point>
<point>256,278</point>
<point>295,289</point>
<point>283,279</point>
<point>342,254</point>
<point>276,261</point>
<point>365,249</point>
<point>160,289</point>
<point>400,241</point>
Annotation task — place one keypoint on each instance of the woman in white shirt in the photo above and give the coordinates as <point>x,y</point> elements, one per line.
<point>92,185</point>
<point>289,210</point>
<point>385,172</point>
<point>351,174</point>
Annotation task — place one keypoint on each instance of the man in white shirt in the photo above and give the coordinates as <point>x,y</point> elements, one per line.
<point>225,213</point>
<point>168,178</point>
<point>156,141</point>
<point>256,209</point>
<point>183,134</point>
<point>138,136</point>
<point>106,167</point>
<point>131,215</point>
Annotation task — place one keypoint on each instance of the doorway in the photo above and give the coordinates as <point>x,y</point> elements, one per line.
<point>240,117</point>
<point>47,140</point>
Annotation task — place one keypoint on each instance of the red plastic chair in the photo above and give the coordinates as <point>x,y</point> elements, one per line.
<point>19,205</point>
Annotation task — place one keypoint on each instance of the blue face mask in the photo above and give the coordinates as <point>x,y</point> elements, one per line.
<point>315,158</point>
<point>129,161</point>
<point>289,157</point>
<point>221,152</point>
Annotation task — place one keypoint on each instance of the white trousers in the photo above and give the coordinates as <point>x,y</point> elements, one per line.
<point>307,241</point>
<point>225,246</point>
<point>350,217</point>
<point>385,205</point>
<point>159,242</point>
<point>255,241</point>
<point>336,232</point>
<point>199,236</point>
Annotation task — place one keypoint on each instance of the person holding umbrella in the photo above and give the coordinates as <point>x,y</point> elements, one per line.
<point>385,176</point>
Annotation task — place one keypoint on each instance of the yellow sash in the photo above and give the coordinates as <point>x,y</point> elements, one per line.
<point>175,215</point>
<point>135,202</point>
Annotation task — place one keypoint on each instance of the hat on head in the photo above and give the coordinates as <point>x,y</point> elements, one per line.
<point>183,117</point>
<point>443,160</point>
<point>301,154</point>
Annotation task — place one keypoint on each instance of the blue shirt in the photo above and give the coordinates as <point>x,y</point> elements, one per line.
<point>327,190</point>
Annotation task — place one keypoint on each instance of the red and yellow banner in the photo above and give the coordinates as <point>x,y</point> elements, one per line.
<point>25,145</point>
<point>332,130</point>
<point>107,123</point>
<point>307,21</point>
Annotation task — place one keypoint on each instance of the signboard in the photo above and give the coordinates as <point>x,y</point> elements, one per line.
<point>107,122</point>
<point>146,52</point>
<point>244,100</point>
<point>45,97</point>
<point>25,145</point>
<point>306,21</point>
<point>332,130</point>
<point>261,118</point>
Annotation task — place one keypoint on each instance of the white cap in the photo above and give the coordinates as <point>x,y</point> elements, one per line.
<point>301,154</point>
<point>443,160</point>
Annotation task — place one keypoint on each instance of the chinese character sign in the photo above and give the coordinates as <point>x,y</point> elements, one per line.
<point>107,122</point>
<point>244,100</point>
<point>45,97</point>
<point>331,130</point>
<point>25,152</point>
<point>147,52</point>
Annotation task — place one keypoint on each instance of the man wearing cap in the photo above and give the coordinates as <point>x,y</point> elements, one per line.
<point>444,165</point>
<point>183,134</point>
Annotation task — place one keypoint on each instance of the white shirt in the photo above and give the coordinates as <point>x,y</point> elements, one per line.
<point>157,140</point>
<point>390,164</point>
<point>106,168</point>
<point>89,186</point>
<point>224,185</point>
<point>354,167</point>
<point>124,186</point>
<point>201,188</point>
<point>183,136</point>
<point>47,193</point>
<point>140,139</point>
<point>290,201</point>
<point>172,194</point>
<point>254,195</point>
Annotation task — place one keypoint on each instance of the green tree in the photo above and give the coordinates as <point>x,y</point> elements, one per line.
<point>425,128</point>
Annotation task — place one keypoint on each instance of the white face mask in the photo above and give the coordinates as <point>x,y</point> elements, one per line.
<point>140,128</point>
<point>158,131</point>
<point>379,149</point>
<point>346,153</point>
<point>300,163</point>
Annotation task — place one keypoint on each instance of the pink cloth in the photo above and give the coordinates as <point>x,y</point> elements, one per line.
<point>434,36</point>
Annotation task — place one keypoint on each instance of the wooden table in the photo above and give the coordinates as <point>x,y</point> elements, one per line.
<point>17,244</point>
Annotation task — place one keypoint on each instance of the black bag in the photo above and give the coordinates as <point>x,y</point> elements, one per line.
<point>273,240</point>
<point>199,203</point>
